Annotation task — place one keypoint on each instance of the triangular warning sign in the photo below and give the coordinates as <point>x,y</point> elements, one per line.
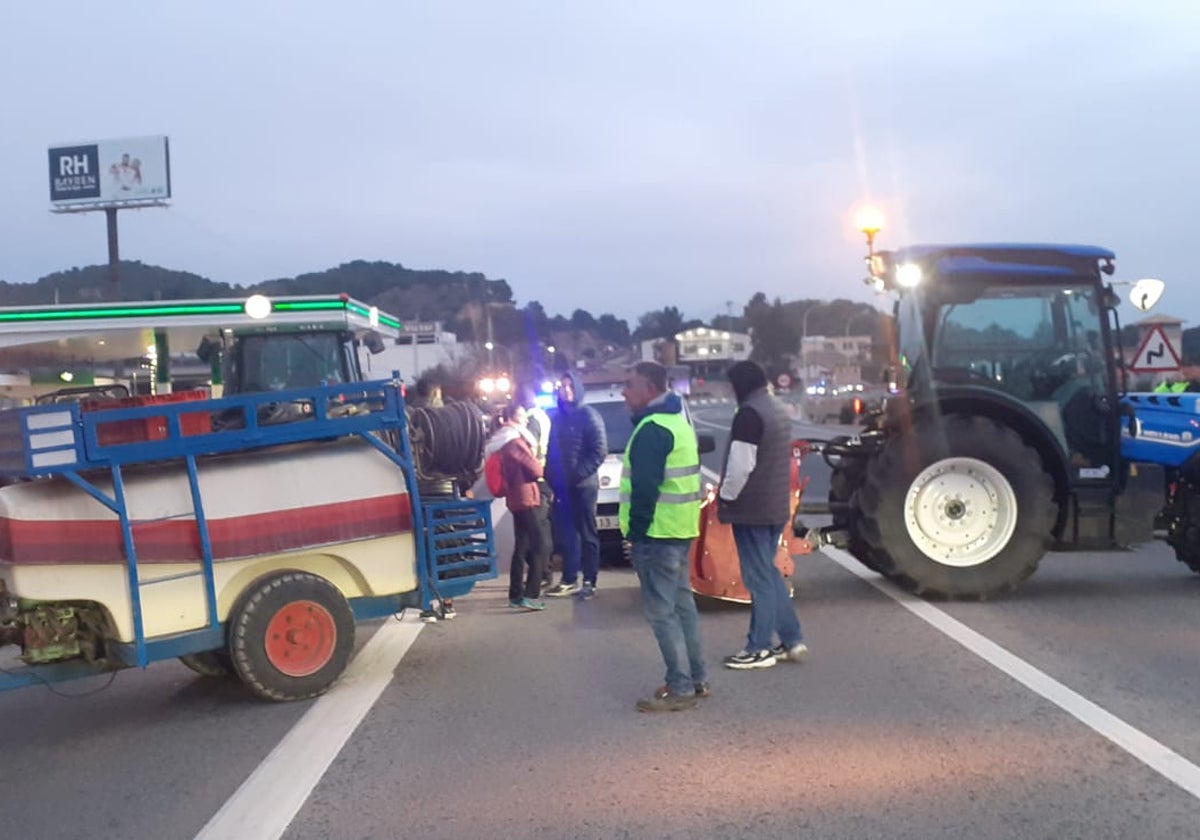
<point>1155,353</point>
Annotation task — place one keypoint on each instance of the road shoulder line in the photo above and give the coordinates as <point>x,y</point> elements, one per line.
<point>1154,754</point>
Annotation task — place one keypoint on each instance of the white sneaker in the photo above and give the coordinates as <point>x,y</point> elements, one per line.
<point>796,653</point>
<point>747,659</point>
<point>563,589</point>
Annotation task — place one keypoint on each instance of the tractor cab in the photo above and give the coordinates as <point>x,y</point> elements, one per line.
<point>275,360</point>
<point>1025,332</point>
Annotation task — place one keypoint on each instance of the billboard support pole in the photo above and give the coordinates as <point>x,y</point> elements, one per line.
<point>114,256</point>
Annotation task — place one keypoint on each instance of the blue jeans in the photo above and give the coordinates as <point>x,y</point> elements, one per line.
<point>574,515</point>
<point>771,610</point>
<point>667,601</point>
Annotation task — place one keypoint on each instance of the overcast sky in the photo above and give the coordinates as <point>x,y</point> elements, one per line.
<point>611,156</point>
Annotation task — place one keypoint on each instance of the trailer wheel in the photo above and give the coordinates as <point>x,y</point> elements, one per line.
<point>291,636</point>
<point>210,663</point>
<point>961,508</point>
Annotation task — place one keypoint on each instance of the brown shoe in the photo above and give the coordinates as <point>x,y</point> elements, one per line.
<point>667,703</point>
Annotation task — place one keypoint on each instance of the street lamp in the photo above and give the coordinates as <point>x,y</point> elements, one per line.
<point>869,220</point>
<point>490,347</point>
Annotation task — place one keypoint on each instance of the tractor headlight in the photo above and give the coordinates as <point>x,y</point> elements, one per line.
<point>908,275</point>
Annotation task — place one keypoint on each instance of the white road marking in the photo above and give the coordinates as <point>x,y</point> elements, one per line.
<point>1154,754</point>
<point>267,802</point>
<point>699,422</point>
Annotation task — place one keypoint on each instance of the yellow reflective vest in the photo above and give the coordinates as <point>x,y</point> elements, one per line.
<point>677,512</point>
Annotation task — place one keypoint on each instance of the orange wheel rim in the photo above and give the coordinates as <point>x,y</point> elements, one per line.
<point>300,638</point>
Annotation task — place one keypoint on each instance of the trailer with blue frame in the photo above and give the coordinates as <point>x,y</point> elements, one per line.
<point>248,547</point>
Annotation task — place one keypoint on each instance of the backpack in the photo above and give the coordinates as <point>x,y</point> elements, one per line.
<point>493,473</point>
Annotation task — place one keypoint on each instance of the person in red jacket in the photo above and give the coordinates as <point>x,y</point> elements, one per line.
<point>521,470</point>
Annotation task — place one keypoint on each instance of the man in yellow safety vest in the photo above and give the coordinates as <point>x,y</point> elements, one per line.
<point>659,514</point>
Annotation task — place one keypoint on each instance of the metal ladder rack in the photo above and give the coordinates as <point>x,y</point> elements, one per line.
<point>453,538</point>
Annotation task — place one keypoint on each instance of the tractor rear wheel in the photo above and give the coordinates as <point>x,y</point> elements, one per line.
<point>1184,532</point>
<point>844,481</point>
<point>291,636</point>
<point>962,508</point>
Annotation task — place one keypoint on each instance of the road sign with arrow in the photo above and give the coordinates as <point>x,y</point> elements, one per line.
<point>1155,354</point>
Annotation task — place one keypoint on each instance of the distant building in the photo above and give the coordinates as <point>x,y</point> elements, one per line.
<point>835,359</point>
<point>661,350</point>
<point>420,347</point>
<point>708,351</point>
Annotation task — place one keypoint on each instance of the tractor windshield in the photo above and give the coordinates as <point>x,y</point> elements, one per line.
<point>1040,344</point>
<point>1029,341</point>
<point>276,361</point>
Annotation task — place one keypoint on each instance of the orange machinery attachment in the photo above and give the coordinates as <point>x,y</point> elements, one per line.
<point>714,562</point>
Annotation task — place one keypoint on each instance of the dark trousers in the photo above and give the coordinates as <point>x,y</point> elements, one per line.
<point>548,540</point>
<point>575,531</point>
<point>529,556</point>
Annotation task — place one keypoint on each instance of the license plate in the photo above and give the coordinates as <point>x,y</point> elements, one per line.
<point>607,523</point>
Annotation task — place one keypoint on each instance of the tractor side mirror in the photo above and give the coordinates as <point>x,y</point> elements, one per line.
<point>373,341</point>
<point>209,349</point>
<point>1133,424</point>
<point>1146,292</point>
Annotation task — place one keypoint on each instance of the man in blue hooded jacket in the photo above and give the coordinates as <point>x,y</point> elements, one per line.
<point>576,449</point>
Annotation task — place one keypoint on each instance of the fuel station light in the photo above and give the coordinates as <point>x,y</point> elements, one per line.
<point>257,306</point>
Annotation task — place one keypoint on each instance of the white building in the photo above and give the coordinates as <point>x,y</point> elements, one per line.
<point>708,351</point>
<point>419,347</point>
<point>838,359</point>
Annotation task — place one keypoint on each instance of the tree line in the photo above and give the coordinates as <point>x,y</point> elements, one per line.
<point>471,305</point>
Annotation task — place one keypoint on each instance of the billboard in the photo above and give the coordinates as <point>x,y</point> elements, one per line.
<point>110,172</point>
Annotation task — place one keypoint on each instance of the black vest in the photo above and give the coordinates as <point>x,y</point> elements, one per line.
<point>766,498</point>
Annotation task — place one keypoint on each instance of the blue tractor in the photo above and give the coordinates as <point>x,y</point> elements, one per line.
<point>1013,433</point>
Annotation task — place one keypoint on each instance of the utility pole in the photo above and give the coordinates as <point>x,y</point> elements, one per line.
<point>114,257</point>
